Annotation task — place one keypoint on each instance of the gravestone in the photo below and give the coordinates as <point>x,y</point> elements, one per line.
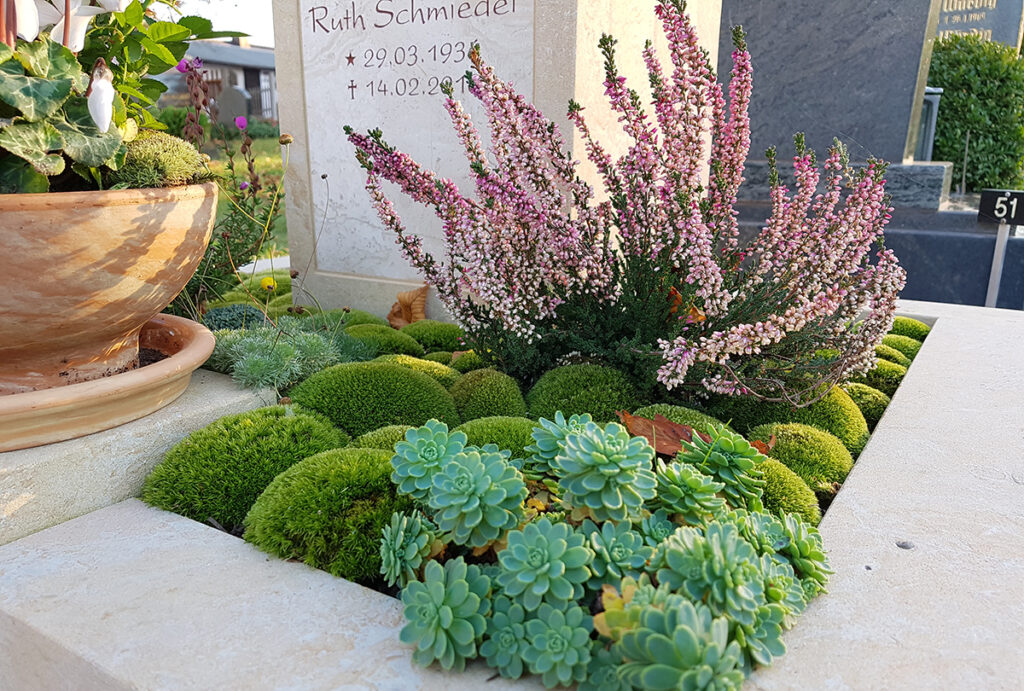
<point>381,63</point>
<point>855,71</point>
<point>993,20</point>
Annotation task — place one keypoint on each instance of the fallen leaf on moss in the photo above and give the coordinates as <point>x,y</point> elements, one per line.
<point>665,436</point>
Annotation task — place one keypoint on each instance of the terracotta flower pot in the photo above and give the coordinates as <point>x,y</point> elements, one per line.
<point>82,272</point>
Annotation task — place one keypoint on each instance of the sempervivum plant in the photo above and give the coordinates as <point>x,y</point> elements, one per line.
<point>731,460</point>
<point>715,566</point>
<point>619,551</point>
<point>549,438</point>
<point>405,544</point>
<point>680,647</point>
<point>656,527</point>
<point>761,640</point>
<point>505,641</point>
<point>606,472</point>
<point>603,670</point>
<point>446,613</point>
<point>544,561</point>
<point>686,491</point>
<point>782,587</point>
<point>477,496</point>
<point>423,452</point>
<point>559,644</point>
<point>788,539</point>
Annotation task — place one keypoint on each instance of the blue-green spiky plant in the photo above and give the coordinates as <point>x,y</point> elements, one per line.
<point>477,496</point>
<point>549,438</point>
<point>731,460</point>
<point>404,546</point>
<point>686,491</point>
<point>606,472</point>
<point>618,550</point>
<point>423,452</point>
<point>680,647</point>
<point>544,562</point>
<point>505,641</point>
<point>446,613</point>
<point>559,644</point>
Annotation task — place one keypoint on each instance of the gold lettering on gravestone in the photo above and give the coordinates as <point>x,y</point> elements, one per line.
<point>956,13</point>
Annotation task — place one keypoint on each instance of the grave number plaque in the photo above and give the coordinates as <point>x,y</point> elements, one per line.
<point>1002,206</point>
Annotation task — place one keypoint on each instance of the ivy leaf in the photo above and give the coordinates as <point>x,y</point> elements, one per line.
<point>33,141</point>
<point>17,176</point>
<point>36,98</point>
<point>163,32</point>
<point>83,142</point>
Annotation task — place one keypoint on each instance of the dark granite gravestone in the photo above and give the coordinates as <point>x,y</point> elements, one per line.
<point>845,69</point>
<point>993,20</point>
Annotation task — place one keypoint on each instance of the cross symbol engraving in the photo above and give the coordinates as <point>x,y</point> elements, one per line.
<point>352,89</point>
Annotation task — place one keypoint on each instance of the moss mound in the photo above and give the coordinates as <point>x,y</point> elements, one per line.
<point>680,415</point>
<point>835,413</point>
<point>442,356</point>
<point>906,345</point>
<point>892,355</point>
<point>487,393</point>
<point>912,328</point>
<point>817,457</point>
<point>575,389</point>
<point>358,317</point>
<point>383,438</point>
<point>511,433</point>
<point>385,340</point>
<point>785,491</point>
<point>871,402</point>
<point>886,377</point>
<point>435,335</point>
<point>442,374</point>
<point>157,159</point>
<point>360,397</point>
<point>468,361</point>
<point>328,511</point>
<point>217,472</point>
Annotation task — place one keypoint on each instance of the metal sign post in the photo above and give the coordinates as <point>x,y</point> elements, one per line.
<point>1005,207</point>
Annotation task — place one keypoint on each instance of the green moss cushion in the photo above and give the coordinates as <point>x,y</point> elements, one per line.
<point>328,511</point>
<point>435,335</point>
<point>817,457</point>
<point>442,356</point>
<point>575,389</point>
<point>892,355</point>
<point>871,402</point>
<point>217,472</point>
<point>487,393</point>
<point>386,340</point>
<point>886,377</point>
<point>511,433</point>
<point>681,416</point>
<point>157,159</point>
<point>359,317</point>
<point>905,326</point>
<point>835,413</point>
<point>382,438</point>
<point>444,375</point>
<point>468,361</point>
<point>906,345</point>
<point>786,492</point>
<point>359,397</point>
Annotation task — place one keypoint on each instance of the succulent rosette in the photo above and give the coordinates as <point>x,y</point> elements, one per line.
<point>606,471</point>
<point>782,587</point>
<point>806,554</point>
<point>618,550</point>
<point>603,670</point>
<point>549,438</point>
<point>477,496</point>
<point>686,491</point>
<point>446,613</point>
<point>761,642</point>
<point>731,460</point>
<point>505,640</point>
<point>559,645</point>
<point>656,527</point>
<point>404,546</point>
<point>544,562</point>
<point>423,452</point>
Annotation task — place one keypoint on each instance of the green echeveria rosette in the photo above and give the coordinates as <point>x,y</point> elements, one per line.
<point>446,613</point>
<point>603,670</point>
<point>684,490</point>
<point>505,641</point>
<point>680,647</point>
<point>782,587</point>
<point>423,452</point>
<point>761,642</point>
<point>549,438</point>
<point>606,471</point>
<point>559,644</point>
<point>656,527</point>
<point>544,562</point>
<point>730,459</point>
<point>477,496</point>
<point>763,531</point>
<point>405,544</point>
<point>618,550</point>
<point>715,566</point>
<point>806,554</point>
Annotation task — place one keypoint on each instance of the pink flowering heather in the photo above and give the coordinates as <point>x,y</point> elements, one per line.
<point>655,280</point>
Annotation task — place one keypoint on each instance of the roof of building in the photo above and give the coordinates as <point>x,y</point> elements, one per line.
<point>220,53</point>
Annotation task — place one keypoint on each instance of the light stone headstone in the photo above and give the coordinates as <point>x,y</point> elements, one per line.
<point>380,63</point>
<point>993,20</point>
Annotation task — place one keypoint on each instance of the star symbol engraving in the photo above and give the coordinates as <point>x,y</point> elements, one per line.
<point>351,59</point>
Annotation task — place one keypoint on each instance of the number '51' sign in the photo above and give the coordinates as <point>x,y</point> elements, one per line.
<point>1002,206</point>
